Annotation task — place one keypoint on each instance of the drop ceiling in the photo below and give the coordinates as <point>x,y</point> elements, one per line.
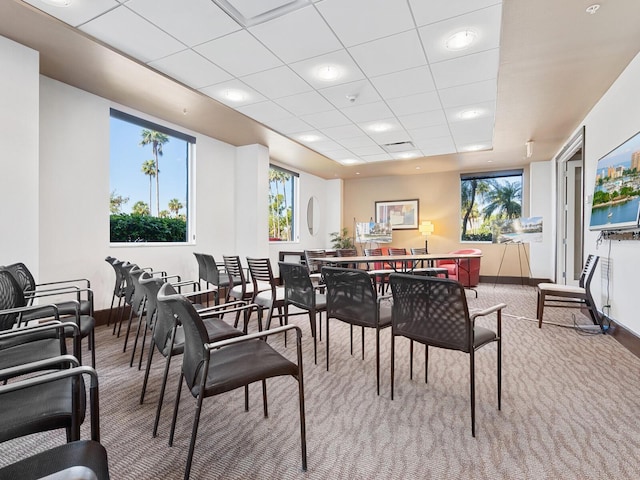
<point>347,87</point>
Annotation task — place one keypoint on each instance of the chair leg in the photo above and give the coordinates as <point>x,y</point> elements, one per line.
<point>264,399</point>
<point>312,321</point>
<point>113,299</point>
<point>410,359</point>
<point>351,338</point>
<point>540,308</point>
<point>327,327</point>
<point>499,373</point>
<point>135,342</point>
<point>377,357</point>
<point>119,313</point>
<point>393,361</point>
<point>175,409</point>
<point>426,363</point>
<point>472,382</point>
<point>92,343</point>
<point>362,343</point>
<point>146,372</point>
<point>144,339</point>
<point>161,397</point>
<point>194,433</point>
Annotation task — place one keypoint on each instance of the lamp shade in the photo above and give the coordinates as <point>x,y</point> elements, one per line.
<point>426,227</point>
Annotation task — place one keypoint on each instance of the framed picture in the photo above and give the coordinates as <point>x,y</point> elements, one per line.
<point>400,214</point>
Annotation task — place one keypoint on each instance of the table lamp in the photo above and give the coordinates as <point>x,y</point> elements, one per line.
<point>426,229</point>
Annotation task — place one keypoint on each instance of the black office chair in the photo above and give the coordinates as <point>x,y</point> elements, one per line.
<point>213,368</point>
<point>79,459</point>
<point>352,298</point>
<point>267,294</point>
<point>300,292</point>
<point>216,278</point>
<point>433,311</point>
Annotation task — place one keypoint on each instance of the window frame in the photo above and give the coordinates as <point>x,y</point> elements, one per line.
<point>496,174</point>
<point>190,208</point>
<point>295,194</point>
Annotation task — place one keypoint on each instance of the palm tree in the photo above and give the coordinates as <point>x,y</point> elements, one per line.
<point>115,202</point>
<point>140,208</point>
<point>471,189</point>
<point>504,199</point>
<point>284,178</point>
<point>175,206</point>
<point>149,168</point>
<point>156,140</point>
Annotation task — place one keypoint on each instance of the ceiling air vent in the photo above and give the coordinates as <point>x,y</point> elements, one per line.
<point>398,147</point>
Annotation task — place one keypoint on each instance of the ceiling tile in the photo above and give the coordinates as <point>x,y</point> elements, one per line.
<point>289,125</point>
<point>78,12</point>
<point>361,91</point>
<point>390,137</point>
<point>264,112</point>
<point>345,132</point>
<point>276,82</point>
<point>305,103</point>
<point>340,59</point>
<point>221,90</point>
<point>427,133</point>
<point>436,146</point>
<point>232,51</point>
<point>356,142</point>
<point>312,35</point>
<point>469,69</point>
<point>484,23</point>
<point>132,35</point>
<point>472,131</point>
<point>424,119</point>
<point>381,157</point>
<point>407,82</point>
<point>200,22</point>
<point>332,118</point>
<point>335,153</point>
<point>435,11</point>
<point>418,103</point>
<point>368,112</point>
<point>369,150</point>
<point>470,93</point>
<point>191,69</point>
<point>389,54</point>
<point>359,21</point>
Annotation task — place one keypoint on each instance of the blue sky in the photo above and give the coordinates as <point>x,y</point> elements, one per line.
<point>127,157</point>
<point>622,154</point>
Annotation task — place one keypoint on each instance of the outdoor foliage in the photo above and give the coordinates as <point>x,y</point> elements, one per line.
<point>145,228</point>
<point>486,200</point>
<point>280,211</point>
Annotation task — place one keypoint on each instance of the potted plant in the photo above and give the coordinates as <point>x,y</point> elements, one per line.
<point>341,239</point>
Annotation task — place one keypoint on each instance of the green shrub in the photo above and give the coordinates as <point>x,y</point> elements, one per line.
<point>478,237</point>
<point>144,228</point>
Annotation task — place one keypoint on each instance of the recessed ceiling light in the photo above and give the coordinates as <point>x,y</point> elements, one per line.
<point>405,155</point>
<point>309,138</point>
<point>58,3</point>
<point>461,40</point>
<point>350,161</point>
<point>591,9</point>
<point>471,113</point>
<point>328,73</point>
<point>379,127</point>
<point>234,95</point>
<point>473,148</point>
<point>418,168</point>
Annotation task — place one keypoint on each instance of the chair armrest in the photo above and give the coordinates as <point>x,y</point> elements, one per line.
<point>46,364</point>
<point>488,311</point>
<point>224,308</point>
<point>34,308</point>
<point>186,283</point>
<point>51,325</point>
<point>253,336</point>
<point>198,293</point>
<point>31,294</point>
<point>167,277</point>
<point>73,280</point>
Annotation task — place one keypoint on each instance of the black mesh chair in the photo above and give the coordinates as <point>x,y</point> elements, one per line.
<point>571,296</point>
<point>216,278</point>
<point>380,271</point>
<point>79,459</point>
<point>300,292</point>
<point>168,338</point>
<point>213,368</point>
<point>46,406</point>
<point>313,266</point>
<point>433,311</point>
<point>352,298</point>
<point>118,290</point>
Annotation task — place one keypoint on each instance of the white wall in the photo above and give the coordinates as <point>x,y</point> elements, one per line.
<point>541,205</point>
<point>615,118</point>
<point>55,178</point>
<point>19,127</point>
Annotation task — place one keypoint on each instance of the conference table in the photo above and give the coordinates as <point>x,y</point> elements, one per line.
<point>397,263</point>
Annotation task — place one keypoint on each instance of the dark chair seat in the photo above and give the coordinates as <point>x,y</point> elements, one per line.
<point>28,351</point>
<point>246,363</point>
<point>63,459</point>
<point>39,408</point>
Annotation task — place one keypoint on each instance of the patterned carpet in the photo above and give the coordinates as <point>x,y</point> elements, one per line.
<point>570,410</point>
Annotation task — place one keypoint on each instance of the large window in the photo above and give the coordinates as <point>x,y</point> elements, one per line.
<point>282,198</point>
<point>149,178</point>
<point>486,198</point>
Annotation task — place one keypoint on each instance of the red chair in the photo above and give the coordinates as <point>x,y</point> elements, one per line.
<point>466,271</point>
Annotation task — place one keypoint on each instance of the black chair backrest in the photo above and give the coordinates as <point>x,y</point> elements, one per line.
<point>23,276</point>
<point>373,252</point>
<point>128,283</point>
<point>351,296</point>
<point>431,310</point>
<point>164,322</point>
<point>298,289</point>
<point>213,274</point>
<point>202,267</point>
<point>119,285</point>
<point>397,251</point>
<point>588,271</point>
<point>11,296</point>
<point>418,251</point>
<point>234,269</point>
<point>139,295</point>
<point>310,255</point>
<point>150,287</point>
<point>195,333</point>
<point>346,252</point>
<point>261,273</point>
